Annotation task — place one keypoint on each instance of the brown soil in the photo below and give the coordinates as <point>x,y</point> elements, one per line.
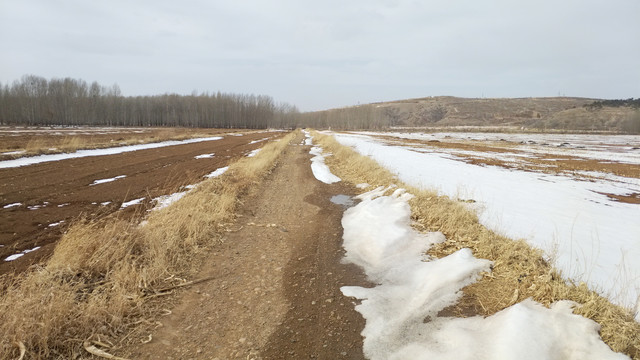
<point>61,189</point>
<point>275,292</point>
<point>45,140</point>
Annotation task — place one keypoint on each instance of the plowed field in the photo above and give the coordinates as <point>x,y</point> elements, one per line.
<point>51,195</point>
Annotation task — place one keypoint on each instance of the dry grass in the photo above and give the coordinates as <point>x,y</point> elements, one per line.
<point>519,271</point>
<point>103,282</point>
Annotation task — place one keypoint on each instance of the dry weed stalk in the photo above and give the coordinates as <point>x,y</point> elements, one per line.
<point>103,275</point>
<point>519,271</point>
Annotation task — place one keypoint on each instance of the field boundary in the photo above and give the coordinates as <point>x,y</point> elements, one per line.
<point>108,279</point>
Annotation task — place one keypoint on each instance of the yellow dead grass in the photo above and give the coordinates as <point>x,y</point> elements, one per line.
<point>519,271</point>
<point>102,279</point>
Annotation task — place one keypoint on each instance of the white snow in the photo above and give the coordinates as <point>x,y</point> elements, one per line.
<point>8,206</point>
<point>205,156</point>
<point>166,200</point>
<point>254,152</point>
<point>217,172</point>
<point>588,236</point>
<point>56,223</point>
<point>98,152</point>
<point>18,255</point>
<point>319,168</point>
<point>18,152</point>
<point>257,141</point>
<point>131,203</point>
<point>37,207</point>
<point>401,312</point>
<point>102,181</point>
<point>621,148</point>
<point>105,203</point>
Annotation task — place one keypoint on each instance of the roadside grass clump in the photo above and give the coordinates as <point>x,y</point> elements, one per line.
<point>103,285</point>
<point>519,270</point>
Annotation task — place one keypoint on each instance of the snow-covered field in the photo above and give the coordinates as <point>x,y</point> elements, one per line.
<point>589,236</point>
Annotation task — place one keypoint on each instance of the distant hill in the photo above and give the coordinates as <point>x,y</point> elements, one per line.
<point>552,113</point>
<point>562,113</point>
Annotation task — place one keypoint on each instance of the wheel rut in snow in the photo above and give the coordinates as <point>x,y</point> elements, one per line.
<point>275,292</point>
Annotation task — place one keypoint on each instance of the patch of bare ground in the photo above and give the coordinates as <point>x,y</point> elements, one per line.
<point>276,277</point>
<point>53,195</point>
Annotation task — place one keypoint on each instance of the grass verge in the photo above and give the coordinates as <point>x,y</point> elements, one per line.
<point>102,285</point>
<point>519,271</point>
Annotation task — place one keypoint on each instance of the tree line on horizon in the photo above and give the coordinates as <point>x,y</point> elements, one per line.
<point>36,101</point>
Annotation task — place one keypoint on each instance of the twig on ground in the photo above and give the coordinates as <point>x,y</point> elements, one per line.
<point>101,353</point>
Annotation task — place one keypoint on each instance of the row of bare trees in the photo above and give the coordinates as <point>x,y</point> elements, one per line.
<point>36,101</point>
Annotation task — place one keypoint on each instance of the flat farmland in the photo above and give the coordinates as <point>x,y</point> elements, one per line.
<point>576,197</point>
<point>39,201</point>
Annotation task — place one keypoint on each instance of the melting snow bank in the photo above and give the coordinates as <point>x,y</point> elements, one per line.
<point>318,167</point>
<point>98,152</point>
<point>401,312</point>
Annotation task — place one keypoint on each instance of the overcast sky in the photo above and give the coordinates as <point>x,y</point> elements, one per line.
<point>330,53</point>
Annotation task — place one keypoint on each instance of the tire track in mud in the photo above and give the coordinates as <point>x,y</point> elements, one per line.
<point>275,292</point>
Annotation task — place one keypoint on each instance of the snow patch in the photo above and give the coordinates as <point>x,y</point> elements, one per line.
<point>18,152</point>
<point>56,223</point>
<point>217,172</point>
<point>18,255</point>
<point>319,168</point>
<point>257,141</point>
<point>204,156</point>
<point>131,203</point>
<point>9,206</point>
<point>254,152</point>
<point>102,181</point>
<point>166,200</point>
<point>401,312</point>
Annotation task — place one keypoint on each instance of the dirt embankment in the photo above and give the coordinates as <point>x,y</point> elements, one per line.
<point>275,292</point>
<point>51,192</point>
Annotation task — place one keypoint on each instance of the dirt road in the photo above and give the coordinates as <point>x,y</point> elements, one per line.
<point>275,292</point>
<point>51,192</point>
